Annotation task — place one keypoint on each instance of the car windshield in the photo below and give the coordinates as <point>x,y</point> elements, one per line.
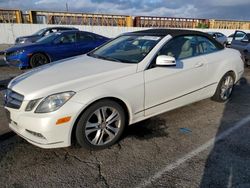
<point>127,48</point>
<point>48,38</point>
<point>40,32</point>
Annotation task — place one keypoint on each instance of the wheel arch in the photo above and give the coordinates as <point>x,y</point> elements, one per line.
<point>121,102</point>
<point>41,52</point>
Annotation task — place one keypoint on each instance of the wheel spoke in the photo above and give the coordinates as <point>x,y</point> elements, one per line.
<point>113,129</point>
<point>227,81</point>
<point>111,135</point>
<point>103,114</point>
<point>92,125</point>
<point>89,131</point>
<point>99,116</point>
<point>101,138</point>
<point>97,137</point>
<point>113,117</point>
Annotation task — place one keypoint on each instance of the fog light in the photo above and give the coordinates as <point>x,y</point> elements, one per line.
<point>35,134</point>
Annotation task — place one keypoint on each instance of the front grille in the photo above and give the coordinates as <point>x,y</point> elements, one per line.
<point>7,54</point>
<point>13,99</point>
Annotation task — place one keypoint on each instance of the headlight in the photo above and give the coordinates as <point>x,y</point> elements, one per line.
<point>54,102</point>
<point>31,105</point>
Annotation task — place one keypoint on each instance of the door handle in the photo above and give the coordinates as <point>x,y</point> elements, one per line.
<point>198,65</point>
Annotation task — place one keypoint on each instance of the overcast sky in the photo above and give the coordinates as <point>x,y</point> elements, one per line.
<point>219,9</point>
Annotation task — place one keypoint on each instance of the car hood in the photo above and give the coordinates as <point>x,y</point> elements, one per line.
<point>29,37</point>
<point>22,47</point>
<point>72,74</point>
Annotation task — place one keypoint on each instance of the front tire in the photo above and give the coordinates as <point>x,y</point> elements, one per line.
<point>225,88</point>
<point>38,59</point>
<point>101,125</point>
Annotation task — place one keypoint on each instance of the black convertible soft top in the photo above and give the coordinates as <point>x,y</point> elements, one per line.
<point>172,32</point>
<point>175,33</point>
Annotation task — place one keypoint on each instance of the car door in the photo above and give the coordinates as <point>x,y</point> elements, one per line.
<point>221,38</point>
<point>239,42</point>
<point>170,87</point>
<point>211,53</point>
<point>86,42</point>
<point>64,46</point>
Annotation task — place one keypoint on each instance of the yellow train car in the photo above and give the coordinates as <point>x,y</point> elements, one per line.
<point>78,18</point>
<point>229,24</point>
<point>10,16</point>
<point>169,22</point>
<point>68,18</point>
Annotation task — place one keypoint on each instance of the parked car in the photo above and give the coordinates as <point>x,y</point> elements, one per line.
<point>230,38</point>
<point>41,33</point>
<point>131,78</point>
<point>241,42</point>
<point>53,47</point>
<point>219,37</point>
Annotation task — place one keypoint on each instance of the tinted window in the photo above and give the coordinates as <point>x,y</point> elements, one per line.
<point>246,37</point>
<point>82,37</point>
<point>239,35</point>
<point>220,35</point>
<point>67,38</point>
<point>181,47</point>
<point>48,38</point>
<point>205,45</point>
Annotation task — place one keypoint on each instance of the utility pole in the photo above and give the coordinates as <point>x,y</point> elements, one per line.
<point>67,7</point>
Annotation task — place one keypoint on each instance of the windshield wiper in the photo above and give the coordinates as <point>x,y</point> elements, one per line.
<point>103,57</point>
<point>111,59</point>
<point>108,58</point>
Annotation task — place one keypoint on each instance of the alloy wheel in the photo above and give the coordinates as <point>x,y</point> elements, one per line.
<point>227,87</point>
<point>102,126</point>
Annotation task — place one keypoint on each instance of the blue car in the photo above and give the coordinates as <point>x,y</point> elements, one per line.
<point>53,47</point>
<point>41,33</point>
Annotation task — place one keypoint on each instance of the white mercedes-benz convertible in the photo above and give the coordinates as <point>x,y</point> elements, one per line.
<point>92,98</point>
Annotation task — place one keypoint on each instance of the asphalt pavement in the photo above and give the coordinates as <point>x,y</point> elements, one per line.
<point>205,144</point>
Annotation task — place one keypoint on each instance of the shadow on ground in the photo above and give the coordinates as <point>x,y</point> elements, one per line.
<point>147,129</point>
<point>228,163</point>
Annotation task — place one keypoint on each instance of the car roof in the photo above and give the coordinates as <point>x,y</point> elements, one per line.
<point>61,27</point>
<point>78,31</point>
<point>172,32</point>
<point>175,33</point>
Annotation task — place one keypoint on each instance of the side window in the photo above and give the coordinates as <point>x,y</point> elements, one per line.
<point>219,35</point>
<point>180,47</point>
<point>205,46</point>
<point>47,32</point>
<point>67,38</point>
<point>239,35</point>
<point>54,30</point>
<point>246,37</point>
<point>84,37</point>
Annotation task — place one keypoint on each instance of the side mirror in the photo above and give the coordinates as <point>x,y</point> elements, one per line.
<point>164,60</point>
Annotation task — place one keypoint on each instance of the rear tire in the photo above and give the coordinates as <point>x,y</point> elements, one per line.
<point>101,125</point>
<point>247,62</point>
<point>38,59</point>
<point>225,88</point>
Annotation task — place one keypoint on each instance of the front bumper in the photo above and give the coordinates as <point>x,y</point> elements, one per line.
<point>21,60</point>
<point>41,129</point>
